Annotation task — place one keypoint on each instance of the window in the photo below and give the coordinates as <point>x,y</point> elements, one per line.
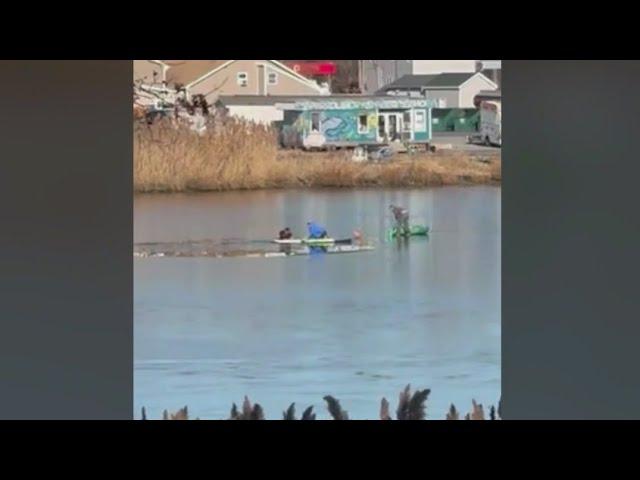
<point>363,126</point>
<point>420,123</point>
<point>315,122</point>
<point>243,79</point>
<point>273,78</point>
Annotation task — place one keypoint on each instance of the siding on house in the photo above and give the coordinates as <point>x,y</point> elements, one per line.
<point>183,72</point>
<point>471,88</point>
<point>265,114</point>
<point>149,72</point>
<point>444,98</point>
<point>225,81</point>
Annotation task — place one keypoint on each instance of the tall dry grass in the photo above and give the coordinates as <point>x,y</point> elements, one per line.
<point>241,155</point>
<point>411,406</point>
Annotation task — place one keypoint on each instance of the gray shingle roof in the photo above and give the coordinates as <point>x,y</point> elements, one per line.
<point>442,80</point>
<point>490,93</point>
<point>273,99</point>
<point>450,79</point>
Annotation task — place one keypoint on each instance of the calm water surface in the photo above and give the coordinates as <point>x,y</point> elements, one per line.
<point>357,326</point>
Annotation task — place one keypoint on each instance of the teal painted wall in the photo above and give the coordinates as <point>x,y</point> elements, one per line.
<point>455,119</point>
<point>425,135</point>
<point>341,125</point>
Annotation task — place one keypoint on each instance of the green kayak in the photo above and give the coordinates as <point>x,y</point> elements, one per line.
<point>414,230</point>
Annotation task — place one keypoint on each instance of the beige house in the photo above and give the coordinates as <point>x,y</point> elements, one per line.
<point>149,72</point>
<point>213,78</point>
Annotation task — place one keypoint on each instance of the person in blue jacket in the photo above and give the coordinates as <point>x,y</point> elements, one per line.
<point>316,231</point>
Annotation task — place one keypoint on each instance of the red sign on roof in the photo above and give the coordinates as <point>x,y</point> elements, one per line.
<point>312,68</point>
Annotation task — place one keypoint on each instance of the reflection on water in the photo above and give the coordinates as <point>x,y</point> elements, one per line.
<point>424,311</point>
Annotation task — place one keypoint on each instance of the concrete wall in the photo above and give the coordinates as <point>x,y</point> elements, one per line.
<point>264,114</point>
<point>425,67</point>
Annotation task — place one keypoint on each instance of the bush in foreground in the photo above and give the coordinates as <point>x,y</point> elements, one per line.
<point>411,406</point>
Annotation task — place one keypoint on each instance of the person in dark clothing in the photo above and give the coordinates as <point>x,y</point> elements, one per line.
<point>401,216</point>
<point>285,234</point>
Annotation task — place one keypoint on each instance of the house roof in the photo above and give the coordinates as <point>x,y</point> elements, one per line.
<point>307,102</point>
<point>497,94</point>
<point>186,71</point>
<point>273,99</point>
<point>409,81</point>
<point>442,80</point>
<point>450,79</point>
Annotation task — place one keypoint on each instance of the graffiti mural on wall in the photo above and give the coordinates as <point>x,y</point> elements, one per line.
<point>342,125</point>
<point>339,125</point>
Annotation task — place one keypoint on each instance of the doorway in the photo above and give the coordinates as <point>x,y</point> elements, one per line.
<point>390,126</point>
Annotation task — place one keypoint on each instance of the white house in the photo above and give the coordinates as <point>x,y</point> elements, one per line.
<point>492,69</point>
<point>449,90</point>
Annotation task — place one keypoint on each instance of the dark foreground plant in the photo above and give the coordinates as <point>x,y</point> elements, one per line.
<point>410,407</point>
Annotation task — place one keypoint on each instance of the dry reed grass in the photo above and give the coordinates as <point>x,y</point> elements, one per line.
<point>410,407</point>
<point>240,155</point>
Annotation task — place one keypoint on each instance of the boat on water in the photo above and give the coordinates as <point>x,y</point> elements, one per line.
<point>320,250</point>
<point>312,241</point>
<point>414,230</point>
<point>305,250</point>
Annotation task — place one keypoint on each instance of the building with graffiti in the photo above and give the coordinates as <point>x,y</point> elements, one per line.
<point>351,121</point>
